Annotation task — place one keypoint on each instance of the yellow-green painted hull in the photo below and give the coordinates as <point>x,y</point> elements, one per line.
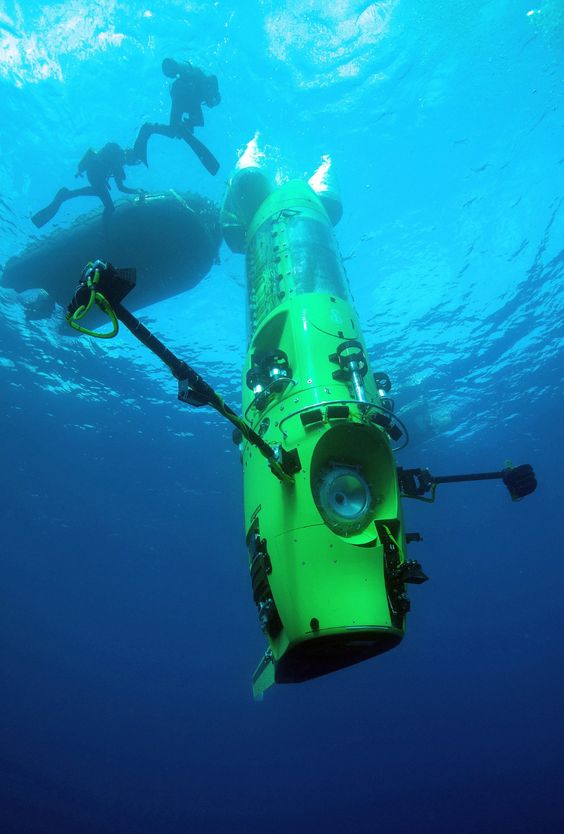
<point>322,585</point>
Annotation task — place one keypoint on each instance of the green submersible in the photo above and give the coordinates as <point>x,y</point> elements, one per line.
<point>326,550</point>
<point>323,520</point>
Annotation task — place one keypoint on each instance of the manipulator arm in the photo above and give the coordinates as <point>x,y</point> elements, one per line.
<point>416,483</point>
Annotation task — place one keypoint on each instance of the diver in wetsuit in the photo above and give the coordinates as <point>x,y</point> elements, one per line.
<point>190,89</point>
<point>99,167</point>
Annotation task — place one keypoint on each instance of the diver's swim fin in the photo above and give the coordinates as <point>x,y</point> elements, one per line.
<point>140,146</point>
<point>205,156</point>
<point>42,217</point>
<point>45,215</point>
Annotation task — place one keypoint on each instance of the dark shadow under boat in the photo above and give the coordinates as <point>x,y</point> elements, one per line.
<point>171,238</point>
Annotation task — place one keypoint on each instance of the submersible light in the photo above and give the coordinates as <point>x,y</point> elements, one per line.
<point>344,499</point>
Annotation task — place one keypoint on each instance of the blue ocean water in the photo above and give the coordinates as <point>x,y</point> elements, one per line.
<point>128,632</point>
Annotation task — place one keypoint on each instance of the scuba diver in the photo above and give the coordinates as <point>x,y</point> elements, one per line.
<point>190,89</point>
<point>98,166</point>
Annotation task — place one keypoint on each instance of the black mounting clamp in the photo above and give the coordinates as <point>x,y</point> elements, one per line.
<point>351,361</point>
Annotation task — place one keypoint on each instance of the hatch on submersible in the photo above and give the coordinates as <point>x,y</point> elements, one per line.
<point>325,536</point>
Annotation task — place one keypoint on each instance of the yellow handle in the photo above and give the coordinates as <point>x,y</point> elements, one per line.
<point>105,307</point>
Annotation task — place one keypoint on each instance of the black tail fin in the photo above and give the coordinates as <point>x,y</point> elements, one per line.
<point>204,154</point>
<point>140,146</point>
<point>41,218</point>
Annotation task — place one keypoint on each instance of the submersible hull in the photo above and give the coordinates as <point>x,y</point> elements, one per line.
<point>326,550</point>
